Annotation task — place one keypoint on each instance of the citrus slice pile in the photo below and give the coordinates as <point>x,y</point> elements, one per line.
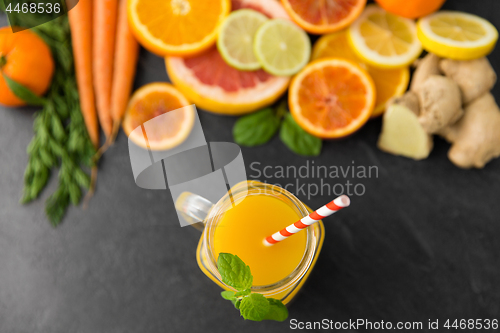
<point>154,100</point>
<point>282,48</point>
<point>236,38</point>
<point>457,35</point>
<point>389,83</point>
<point>384,40</point>
<point>156,24</point>
<point>320,17</point>
<point>209,82</point>
<point>332,98</point>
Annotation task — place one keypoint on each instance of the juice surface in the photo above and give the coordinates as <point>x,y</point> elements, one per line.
<point>243,228</point>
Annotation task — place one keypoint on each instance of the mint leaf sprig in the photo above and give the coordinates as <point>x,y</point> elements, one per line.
<point>258,128</point>
<point>253,306</point>
<point>298,140</point>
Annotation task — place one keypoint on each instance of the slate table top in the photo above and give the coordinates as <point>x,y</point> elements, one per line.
<point>421,243</point>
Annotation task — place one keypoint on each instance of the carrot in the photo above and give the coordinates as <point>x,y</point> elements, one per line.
<point>80,19</point>
<point>105,16</point>
<point>126,56</point>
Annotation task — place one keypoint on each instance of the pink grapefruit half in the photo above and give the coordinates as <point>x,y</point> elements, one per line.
<point>207,81</point>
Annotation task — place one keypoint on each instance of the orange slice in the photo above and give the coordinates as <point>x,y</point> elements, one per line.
<point>320,17</point>
<point>177,27</point>
<point>152,101</point>
<point>332,98</point>
<point>389,83</point>
<point>335,45</point>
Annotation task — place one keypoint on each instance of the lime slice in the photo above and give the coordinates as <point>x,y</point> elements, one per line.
<point>282,48</point>
<point>457,35</point>
<point>236,38</point>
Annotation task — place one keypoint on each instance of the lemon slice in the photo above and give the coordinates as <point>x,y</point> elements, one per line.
<point>457,35</point>
<point>236,37</point>
<point>282,48</point>
<point>384,40</point>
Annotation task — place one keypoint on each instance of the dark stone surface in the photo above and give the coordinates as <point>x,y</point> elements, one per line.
<point>422,243</point>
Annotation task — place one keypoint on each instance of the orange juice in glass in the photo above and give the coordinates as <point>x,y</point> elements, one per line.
<point>239,223</point>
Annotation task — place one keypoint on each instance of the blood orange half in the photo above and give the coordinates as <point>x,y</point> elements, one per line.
<point>321,17</point>
<point>332,98</point>
<point>213,85</point>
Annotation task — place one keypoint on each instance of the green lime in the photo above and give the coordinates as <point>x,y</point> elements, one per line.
<point>236,38</point>
<point>282,48</point>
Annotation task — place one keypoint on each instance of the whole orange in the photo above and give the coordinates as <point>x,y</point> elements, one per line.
<point>411,8</point>
<point>26,59</point>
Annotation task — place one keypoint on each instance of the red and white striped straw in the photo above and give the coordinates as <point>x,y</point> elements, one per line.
<point>327,210</point>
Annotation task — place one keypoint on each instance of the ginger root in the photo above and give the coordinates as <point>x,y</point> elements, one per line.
<point>402,133</point>
<point>427,66</point>
<point>475,137</point>
<point>475,78</point>
<point>440,103</point>
<point>410,101</point>
<point>439,92</point>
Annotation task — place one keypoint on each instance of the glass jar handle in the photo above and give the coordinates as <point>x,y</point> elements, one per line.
<point>193,208</point>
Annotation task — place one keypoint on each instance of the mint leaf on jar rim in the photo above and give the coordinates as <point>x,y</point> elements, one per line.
<point>254,307</point>
<point>234,272</point>
<point>236,303</point>
<point>243,293</point>
<point>228,295</point>
<point>277,310</point>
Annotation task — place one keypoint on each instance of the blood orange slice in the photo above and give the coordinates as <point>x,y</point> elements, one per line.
<point>320,17</point>
<point>213,85</point>
<point>332,98</point>
<point>153,101</point>
<point>389,83</point>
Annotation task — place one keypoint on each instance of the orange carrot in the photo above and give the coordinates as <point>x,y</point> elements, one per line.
<point>126,56</point>
<point>105,16</point>
<point>80,19</point>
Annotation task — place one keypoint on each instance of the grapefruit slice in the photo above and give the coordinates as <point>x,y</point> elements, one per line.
<point>332,98</point>
<point>210,83</point>
<point>153,101</point>
<point>321,17</point>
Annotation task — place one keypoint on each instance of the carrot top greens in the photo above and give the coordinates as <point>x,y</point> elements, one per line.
<point>60,136</point>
